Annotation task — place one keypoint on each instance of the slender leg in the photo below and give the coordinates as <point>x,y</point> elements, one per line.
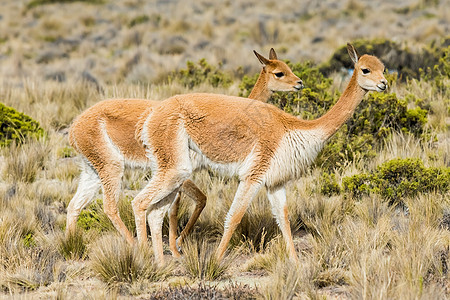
<point>155,219</point>
<point>245,193</point>
<point>158,189</point>
<point>173,212</point>
<point>197,195</point>
<point>277,200</point>
<point>88,186</point>
<point>111,176</point>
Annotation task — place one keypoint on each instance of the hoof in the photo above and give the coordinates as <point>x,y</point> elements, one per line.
<point>178,245</point>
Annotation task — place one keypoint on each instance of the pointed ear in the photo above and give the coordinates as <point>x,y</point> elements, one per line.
<point>272,54</point>
<point>261,58</point>
<point>353,53</point>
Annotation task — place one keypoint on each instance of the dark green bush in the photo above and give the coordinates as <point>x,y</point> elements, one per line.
<point>329,185</point>
<point>439,73</point>
<point>16,126</point>
<point>397,179</point>
<point>202,72</point>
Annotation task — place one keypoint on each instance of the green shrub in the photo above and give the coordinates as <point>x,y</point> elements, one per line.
<point>66,152</point>
<point>439,73</point>
<point>247,84</point>
<point>29,240</point>
<point>397,179</point>
<point>202,72</point>
<point>329,185</point>
<point>16,126</point>
<point>314,100</point>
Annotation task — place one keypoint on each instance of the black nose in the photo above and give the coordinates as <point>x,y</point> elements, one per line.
<point>300,82</point>
<point>384,81</point>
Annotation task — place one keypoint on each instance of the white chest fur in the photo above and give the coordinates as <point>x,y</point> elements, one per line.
<point>297,151</point>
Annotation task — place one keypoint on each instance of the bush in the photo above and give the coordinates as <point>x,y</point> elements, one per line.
<point>329,185</point>
<point>202,72</point>
<point>397,179</point>
<point>439,73</point>
<point>139,20</point>
<point>206,291</point>
<point>16,126</point>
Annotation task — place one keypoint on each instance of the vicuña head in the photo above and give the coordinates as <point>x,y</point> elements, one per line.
<point>369,70</point>
<point>275,76</point>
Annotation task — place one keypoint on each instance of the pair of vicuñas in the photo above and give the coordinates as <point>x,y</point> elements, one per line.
<point>258,142</point>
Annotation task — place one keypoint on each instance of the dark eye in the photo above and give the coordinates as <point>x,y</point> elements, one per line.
<point>279,74</point>
<point>365,71</point>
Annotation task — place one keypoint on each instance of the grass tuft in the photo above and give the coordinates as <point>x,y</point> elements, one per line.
<point>24,162</point>
<point>200,261</point>
<point>284,281</point>
<point>73,246</point>
<point>114,261</point>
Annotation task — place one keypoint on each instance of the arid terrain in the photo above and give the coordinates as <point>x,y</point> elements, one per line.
<point>371,219</point>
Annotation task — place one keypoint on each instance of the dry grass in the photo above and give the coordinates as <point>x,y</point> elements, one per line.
<point>72,246</point>
<point>200,262</point>
<point>114,261</point>
<point>57,60</point>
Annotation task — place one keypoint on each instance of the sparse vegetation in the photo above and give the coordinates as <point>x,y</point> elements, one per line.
<point>370,220</point>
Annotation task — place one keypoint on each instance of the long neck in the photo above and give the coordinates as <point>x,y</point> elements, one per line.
<point>261,91</point>
<point>340,112</point>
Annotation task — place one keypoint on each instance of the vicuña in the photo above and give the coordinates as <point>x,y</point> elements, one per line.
<point>258,142</point>
<point>105,136</point>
